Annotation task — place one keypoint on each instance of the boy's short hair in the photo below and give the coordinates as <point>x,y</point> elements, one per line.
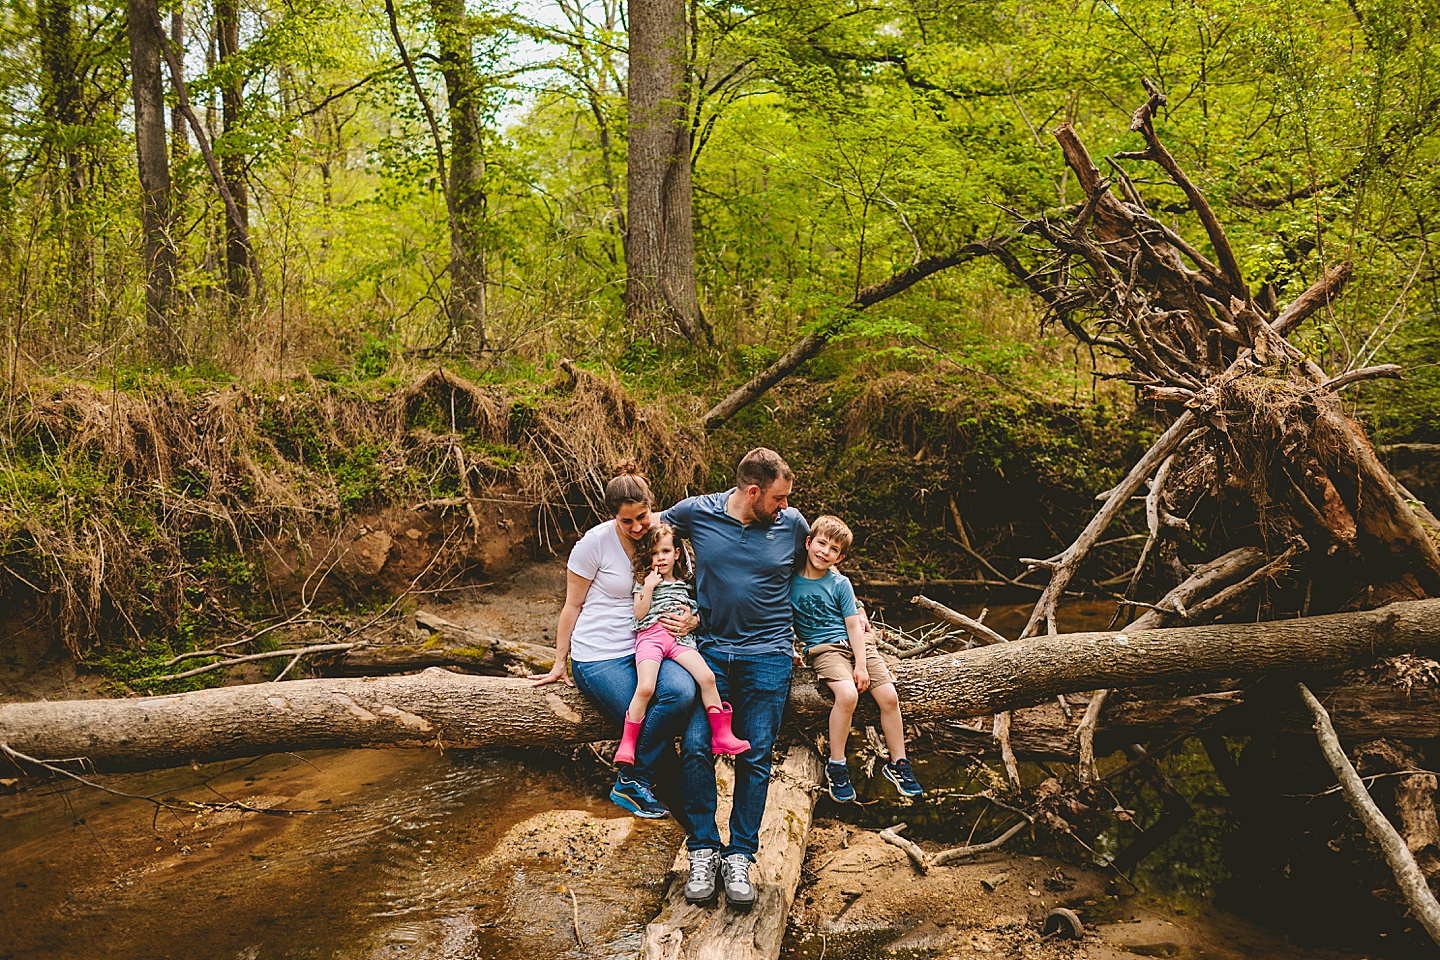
<point>834,530</point>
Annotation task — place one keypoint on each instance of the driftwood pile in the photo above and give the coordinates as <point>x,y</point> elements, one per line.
<point>1256,435</point>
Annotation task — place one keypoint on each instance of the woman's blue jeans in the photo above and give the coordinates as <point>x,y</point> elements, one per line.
<point>611,684</point>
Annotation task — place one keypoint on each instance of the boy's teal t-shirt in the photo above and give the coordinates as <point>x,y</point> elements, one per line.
<point>821,606</point>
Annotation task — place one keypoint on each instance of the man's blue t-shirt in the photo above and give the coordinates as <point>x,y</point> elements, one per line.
<point>821,606</point>
<point>742,574</point>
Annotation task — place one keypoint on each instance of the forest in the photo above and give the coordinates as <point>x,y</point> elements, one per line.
<point>322,317</point>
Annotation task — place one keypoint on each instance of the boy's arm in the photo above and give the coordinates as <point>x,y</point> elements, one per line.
<point>855,630</point>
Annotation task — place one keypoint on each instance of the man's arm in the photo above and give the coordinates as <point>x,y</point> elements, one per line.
<point>679,516</point>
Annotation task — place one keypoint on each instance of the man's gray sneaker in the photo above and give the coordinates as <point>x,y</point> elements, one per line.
<point>704,867</point>
<point>739,891</point>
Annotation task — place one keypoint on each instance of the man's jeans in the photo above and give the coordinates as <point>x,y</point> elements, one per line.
<point>757,688</point>
<point>611,684</point>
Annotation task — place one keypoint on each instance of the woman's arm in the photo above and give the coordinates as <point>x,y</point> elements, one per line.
<point>576,587</point>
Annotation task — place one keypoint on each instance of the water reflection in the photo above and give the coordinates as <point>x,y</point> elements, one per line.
<point>404,853</point>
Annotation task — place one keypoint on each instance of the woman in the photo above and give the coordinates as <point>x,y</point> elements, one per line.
<point>596,633</point>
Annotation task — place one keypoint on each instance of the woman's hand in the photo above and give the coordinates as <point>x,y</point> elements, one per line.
<point>557,672</point>
<point>680,625</point>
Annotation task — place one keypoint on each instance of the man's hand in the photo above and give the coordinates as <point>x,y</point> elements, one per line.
<point>862,678</point>
<point>680,624</point>
<point>557,672</point>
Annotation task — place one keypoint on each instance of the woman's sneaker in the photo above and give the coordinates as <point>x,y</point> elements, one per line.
<point>636,797</point>
<point>837,781</point>
<point>900,774</point>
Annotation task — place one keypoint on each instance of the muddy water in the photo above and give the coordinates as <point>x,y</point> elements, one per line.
<point>400,853</point>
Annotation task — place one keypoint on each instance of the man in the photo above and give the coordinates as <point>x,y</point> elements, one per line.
<point>746,541</point>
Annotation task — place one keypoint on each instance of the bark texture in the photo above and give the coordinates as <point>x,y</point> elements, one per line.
<point>232,157</point>
<point>685,932</point>
<point>659,239</point>
<point>440,708</point>
<point>467,306</point>
<point>147,86</point>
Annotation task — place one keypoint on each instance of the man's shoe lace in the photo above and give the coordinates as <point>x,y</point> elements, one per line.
<point>702,866</point>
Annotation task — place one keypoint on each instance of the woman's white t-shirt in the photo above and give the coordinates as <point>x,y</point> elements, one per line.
<point>604,630</point>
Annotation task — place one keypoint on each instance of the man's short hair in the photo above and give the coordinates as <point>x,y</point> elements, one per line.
<point>761,466</point>
<point>834,530</point>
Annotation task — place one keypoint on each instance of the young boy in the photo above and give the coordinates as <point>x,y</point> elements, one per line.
<point>837,643</point>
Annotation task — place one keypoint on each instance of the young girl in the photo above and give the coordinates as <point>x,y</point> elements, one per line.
<point>661,588</point>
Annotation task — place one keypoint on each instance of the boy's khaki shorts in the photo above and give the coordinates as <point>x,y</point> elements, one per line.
<point>834,661</point>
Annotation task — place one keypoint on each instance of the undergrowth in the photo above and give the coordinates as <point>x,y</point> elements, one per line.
<point>146,514</point>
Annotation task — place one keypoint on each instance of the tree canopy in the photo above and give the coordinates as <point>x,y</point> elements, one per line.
<point>832,145</point>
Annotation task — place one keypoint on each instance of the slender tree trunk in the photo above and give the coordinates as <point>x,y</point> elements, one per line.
<point>153,163</point>
<point>467,305</point>
<point>232,159</point>
<point>64,108</point>
<point>659,240</point>
<point>179,139</point>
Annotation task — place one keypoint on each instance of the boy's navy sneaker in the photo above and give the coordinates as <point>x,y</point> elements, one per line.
<point>900,774</point>
<point>636,797</point>
<point>837,780</point>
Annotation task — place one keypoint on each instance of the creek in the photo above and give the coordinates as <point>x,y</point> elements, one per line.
<point>422,853</point>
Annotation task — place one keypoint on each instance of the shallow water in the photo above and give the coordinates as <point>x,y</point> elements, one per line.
<point>398,858</point>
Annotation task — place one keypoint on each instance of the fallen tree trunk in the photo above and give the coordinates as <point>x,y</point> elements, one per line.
<point>1413,885</point>
<point>450,645</point>
<point>682,931</point>
<point>445,709</point>
<point>1360,712</point>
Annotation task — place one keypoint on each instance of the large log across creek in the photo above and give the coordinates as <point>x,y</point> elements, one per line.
<point>439,708</point>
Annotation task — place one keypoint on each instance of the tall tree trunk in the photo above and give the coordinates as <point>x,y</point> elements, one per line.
<point>659,240</point>
<point>467,305</point>
<point>232,160</point>
<point>179,139</point>
<point>153,163</point>
<point>64,107</point>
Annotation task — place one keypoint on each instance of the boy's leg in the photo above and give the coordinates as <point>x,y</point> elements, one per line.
<point>891,723</point>
<point>758,688</point>
<point>846,697</point>
<point>897,770</point>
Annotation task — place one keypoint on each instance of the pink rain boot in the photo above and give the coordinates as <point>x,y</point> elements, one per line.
<point>626,753</point>
<point>722,738</point>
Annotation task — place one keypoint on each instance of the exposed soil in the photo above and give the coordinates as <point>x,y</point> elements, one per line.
<point>861,897</point>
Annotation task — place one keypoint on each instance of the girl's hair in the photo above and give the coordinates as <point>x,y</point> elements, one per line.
<point>627,486</point>
<point>650,542</point>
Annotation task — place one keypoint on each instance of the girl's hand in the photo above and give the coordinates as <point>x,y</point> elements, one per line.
<point>652,579</point>
<point>557,672</point>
